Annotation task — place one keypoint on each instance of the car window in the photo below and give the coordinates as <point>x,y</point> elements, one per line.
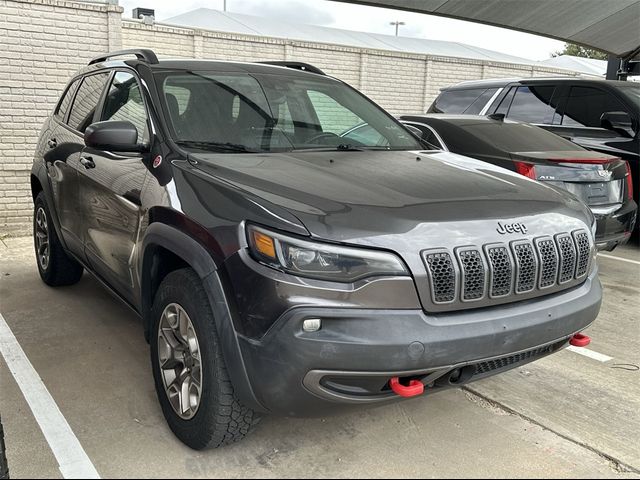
<point>427,134</point>
<point>477,106</point>
<point>333,116</point>
<point>124,103</point>
<point>268,112</point>
<point>586,105</point>
<point>533,104</point>
<point>64,103</point>
<point>365,134</point>
<point>503,108</point>
<point>457,101</point>
<point>86,101</point>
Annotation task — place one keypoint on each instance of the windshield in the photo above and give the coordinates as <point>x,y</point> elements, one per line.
<point>234,112</point>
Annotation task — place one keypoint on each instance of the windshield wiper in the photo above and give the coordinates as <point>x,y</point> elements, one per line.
<point>216,146</point>
<point>344,147</point>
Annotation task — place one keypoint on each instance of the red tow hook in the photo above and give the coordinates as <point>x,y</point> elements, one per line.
<point>580,340</point>
<point>414,388</point>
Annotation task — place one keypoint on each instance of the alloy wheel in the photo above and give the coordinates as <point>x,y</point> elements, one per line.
<point>43,250</point>
<point>179,359</point>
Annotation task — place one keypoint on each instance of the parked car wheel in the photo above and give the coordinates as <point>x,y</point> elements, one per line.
<point>191,378</point>
<point>55,266</point>
<point>4,468</point>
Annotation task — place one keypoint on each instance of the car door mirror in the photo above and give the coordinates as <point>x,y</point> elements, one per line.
<point>113,136</point>
<point>619,122</point>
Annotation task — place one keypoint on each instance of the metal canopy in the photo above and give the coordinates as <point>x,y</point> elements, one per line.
<point>612,26</point>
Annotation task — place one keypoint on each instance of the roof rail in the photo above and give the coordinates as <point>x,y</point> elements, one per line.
<point>296,66</point>
<point>144,54</point>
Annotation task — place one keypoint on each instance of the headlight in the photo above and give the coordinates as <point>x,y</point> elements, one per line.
<point>320,260</point>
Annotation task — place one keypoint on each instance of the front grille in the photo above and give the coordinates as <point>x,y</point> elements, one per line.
<point>443,277</point>
<point>526,265</point>
<point>520,269</point>
<point>513,360</point>
<point>548,256</point>
<point>567,257</point>
<point>501,271</point>
<point>473,274</point>
<point>584,250</point>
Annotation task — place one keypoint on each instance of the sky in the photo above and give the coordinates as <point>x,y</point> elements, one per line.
<point>367,19</point>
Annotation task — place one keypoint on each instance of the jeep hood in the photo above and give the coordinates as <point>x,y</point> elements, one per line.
<point>361,196</point>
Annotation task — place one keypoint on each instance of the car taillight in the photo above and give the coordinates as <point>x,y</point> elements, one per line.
<point>629,181</point>
<point>526,169</point>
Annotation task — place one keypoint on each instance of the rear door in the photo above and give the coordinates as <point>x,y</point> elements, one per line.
<point>74,114</point>
<point>110,188</point>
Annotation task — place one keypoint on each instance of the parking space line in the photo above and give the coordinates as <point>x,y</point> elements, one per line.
<point>72,459</point>
<point>600,357</point>
<point>613,257</point>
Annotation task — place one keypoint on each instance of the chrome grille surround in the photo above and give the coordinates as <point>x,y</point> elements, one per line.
<point>498,273</point>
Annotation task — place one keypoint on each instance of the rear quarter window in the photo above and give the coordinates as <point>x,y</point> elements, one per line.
<point>459,101</point>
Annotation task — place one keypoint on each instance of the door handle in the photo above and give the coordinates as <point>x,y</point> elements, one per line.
<point>87,162</point>
<point>53,143</point>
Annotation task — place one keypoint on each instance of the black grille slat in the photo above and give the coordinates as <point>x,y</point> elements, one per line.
<point>527,267</point>
<point>443,277</point>
<point>567,257</point>
<point>473,274</point>
<point>582,241</point>
<point>501,271</point>
<point>548,256</point>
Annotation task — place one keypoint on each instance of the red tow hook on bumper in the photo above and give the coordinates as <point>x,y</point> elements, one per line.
<point>414,388</point>
<point>580,340</point>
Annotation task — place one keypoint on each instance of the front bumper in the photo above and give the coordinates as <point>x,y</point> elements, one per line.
<point>350,360</point>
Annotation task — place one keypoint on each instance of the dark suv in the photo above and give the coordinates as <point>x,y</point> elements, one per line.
<point>278,269</point>
<point>601,115</point>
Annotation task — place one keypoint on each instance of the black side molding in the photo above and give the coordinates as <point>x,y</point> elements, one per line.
<point>144,54</point>
<point>305,67</point>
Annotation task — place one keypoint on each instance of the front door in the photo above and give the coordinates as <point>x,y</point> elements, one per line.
<point>110,189</point>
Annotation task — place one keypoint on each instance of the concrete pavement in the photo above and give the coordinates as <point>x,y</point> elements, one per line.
<point>564,416</point>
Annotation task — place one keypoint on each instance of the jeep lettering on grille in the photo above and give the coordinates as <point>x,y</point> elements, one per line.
<point>511,228</point>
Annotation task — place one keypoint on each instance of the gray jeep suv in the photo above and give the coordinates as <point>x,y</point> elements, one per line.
<point>280,270</point>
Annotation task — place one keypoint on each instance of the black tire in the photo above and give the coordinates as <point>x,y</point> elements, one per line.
<point>220,419</point>
<point>60,269</point>
<point>4,467</point>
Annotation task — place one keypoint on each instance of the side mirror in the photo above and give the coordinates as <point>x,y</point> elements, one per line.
<point>619,122</point>
<point>113,136</point>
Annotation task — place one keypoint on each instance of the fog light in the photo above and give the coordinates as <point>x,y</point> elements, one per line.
<point>311,325</point>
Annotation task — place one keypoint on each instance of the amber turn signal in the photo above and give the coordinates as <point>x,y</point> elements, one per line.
<point>264,244</point>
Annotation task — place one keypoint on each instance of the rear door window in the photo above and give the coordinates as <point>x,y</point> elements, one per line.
<point>533,104</point>
<point>476,107</point>
<point>586,105</point>
<point>63,106</point>
<point>458,101</point>
<point>86,101</point>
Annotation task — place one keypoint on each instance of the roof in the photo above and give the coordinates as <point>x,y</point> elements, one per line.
<point>590,66</point>
<point>501,82</point>
<point>209,19</point>
<point>611,26</point>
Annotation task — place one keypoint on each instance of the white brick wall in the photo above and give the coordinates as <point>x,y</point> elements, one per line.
<point>43,42</point>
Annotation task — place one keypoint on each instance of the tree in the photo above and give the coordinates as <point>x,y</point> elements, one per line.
<point>578,51</point>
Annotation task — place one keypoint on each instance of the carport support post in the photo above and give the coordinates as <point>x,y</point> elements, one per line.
<point>613,64</point>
